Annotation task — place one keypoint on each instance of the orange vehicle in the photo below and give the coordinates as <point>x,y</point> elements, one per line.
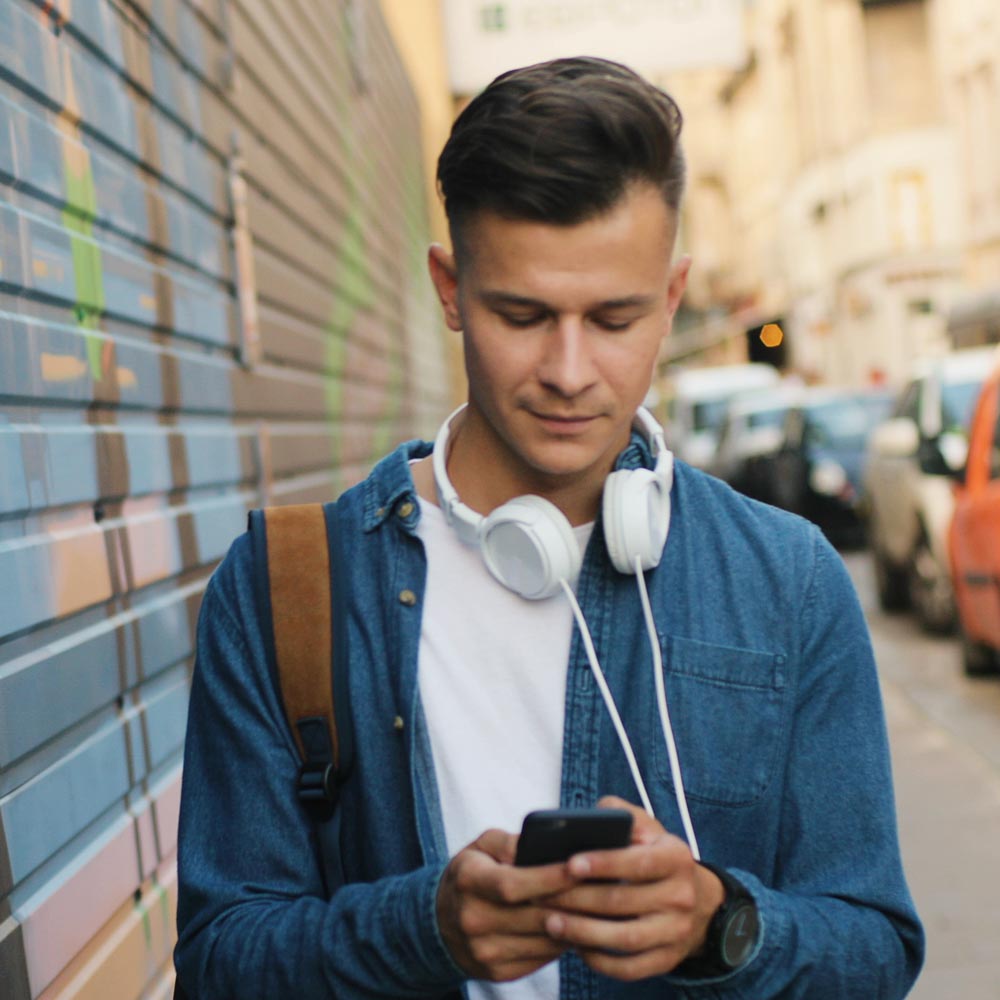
<point>975,536</point>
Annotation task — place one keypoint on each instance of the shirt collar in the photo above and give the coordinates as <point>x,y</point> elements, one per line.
<point>390,486</point>
<point>635,455</point>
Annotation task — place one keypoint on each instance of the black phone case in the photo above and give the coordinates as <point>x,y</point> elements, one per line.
<point>550,835</point>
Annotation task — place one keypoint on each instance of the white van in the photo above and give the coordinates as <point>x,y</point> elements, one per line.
<point>697,400</point>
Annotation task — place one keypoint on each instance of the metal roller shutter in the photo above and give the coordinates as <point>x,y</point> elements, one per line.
<point>212,296</point>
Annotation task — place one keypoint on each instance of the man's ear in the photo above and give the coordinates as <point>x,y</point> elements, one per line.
<point>678,282</point>
<point>444,275</point>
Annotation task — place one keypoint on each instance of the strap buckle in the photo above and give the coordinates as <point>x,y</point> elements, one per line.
<point>317,789</point>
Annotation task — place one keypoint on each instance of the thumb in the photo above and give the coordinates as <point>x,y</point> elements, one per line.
<point>498,844</point>
<point>645,828</point>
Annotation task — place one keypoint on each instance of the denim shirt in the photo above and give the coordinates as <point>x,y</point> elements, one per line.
<point>776,710</point>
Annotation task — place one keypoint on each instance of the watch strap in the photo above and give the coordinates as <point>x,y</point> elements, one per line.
<point>712,960</point>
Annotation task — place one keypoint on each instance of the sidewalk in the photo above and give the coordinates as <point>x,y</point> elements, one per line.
<point>948,800</point>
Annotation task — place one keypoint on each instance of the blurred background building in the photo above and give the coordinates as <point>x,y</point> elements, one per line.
<point>844,184</point>
<point>214,217</point>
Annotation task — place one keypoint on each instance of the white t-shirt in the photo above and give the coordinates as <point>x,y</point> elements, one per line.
<point>492,676</point>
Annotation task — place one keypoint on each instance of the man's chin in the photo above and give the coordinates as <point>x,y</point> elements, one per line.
<point>561,468</point>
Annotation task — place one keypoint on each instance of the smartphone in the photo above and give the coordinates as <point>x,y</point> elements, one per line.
<point>550,835</point>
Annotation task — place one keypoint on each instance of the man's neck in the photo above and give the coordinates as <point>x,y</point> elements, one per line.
<point>578,504</point>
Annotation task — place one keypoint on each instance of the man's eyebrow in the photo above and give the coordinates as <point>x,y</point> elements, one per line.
<point>627,302</point>
<point>498,298</point>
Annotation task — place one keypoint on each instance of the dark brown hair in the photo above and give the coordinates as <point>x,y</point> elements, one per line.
<point>560,142</point>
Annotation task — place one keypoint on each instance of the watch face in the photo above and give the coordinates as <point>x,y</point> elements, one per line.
<point>740,934</point>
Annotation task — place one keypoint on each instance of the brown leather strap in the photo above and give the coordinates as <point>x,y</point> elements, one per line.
<point>298,565</point>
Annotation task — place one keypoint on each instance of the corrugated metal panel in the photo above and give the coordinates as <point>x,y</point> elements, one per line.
<point>212,295</point>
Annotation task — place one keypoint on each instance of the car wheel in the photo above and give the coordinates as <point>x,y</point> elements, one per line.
<point>891,583</point>
<point>931,593</point>
<point>978,659</point>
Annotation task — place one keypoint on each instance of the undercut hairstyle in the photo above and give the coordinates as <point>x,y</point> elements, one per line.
<point>560,142</point>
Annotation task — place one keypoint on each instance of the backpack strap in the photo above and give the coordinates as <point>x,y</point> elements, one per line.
<point>295,564</point>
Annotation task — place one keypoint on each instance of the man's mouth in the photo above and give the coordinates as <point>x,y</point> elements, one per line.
<point>563,420</point>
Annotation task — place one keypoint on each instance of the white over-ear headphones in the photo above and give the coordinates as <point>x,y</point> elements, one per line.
<point>529,545</point>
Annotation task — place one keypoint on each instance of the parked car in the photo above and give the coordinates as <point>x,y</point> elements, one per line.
<point>909,475</point>
<point>697,400</point>
<point>974,539</point>
<point>752,431</point>
<point>816,472</point>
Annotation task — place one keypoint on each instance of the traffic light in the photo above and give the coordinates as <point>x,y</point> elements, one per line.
<point>768,343</point>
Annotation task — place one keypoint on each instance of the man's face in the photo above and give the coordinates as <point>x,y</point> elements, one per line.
<point>561,327</point>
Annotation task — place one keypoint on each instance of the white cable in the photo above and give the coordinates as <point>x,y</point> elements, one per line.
<point>609,701</point>
<point>661,703</point>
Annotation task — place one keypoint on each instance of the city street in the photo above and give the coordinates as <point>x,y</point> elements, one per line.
<point>945,734</point>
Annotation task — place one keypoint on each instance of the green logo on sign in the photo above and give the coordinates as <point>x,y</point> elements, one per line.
<point>494,17</point>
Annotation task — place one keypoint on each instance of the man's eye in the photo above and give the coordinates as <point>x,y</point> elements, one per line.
<point>613,325</point>
<point>521,321</point>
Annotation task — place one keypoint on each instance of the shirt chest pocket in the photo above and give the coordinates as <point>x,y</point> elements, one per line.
<point>726,712</point>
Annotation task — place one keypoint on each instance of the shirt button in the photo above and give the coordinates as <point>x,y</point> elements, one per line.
<point>405,509</point>
<point>407,597</point>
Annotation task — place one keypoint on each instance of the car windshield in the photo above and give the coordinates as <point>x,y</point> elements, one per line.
<point>878,405</point>
<point>709,414</point>
<point>766,418</point>
<point>958,400</point>
<point>844,423</point>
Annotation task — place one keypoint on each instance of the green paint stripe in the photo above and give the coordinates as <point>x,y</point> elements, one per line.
<point>88,266</point>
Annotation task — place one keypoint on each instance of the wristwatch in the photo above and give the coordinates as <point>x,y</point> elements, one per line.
<point>732,931</point>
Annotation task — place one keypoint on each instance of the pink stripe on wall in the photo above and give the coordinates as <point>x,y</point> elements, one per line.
<point>131,955</point>
<point>146,840</point>
<point>60,919</point>
<point>59,925</point>
<point>166,811</point>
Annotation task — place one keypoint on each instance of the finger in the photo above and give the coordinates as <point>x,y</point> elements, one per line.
<point>666,857</point>
<point>625,899</point>
<point>468,917</point>
<point>644,826</point>
<point>480,917</point>
<point>476,874</point>
<point>498,950</point>
<point>630,968</point>
<point>510,885</point>
<point>498,844</point>
<point>626,937</point>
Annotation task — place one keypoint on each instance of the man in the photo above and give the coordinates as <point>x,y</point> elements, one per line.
<point>474,705</point>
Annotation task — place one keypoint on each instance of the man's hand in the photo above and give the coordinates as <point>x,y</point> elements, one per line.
<point>650,914</point>
<point>489,911</point>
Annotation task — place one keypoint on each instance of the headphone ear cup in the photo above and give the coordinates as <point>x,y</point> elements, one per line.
<point>529,546</point>
<point>636,518</point>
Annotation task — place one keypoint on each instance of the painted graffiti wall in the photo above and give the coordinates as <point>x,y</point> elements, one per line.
<point>212,297</point>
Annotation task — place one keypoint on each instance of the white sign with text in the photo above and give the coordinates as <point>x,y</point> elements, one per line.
<point>488,37</point>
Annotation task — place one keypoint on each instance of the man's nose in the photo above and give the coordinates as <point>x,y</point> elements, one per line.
<point>566,365</point>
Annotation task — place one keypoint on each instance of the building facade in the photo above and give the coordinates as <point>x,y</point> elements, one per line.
<point>828,192</point>
<point>968,50</point>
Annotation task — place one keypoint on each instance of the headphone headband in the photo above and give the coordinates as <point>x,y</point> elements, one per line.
<point>461,517</point>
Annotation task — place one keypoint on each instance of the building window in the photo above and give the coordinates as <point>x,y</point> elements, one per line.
<point>980,120</point>
<point>910,211</point>
<point>897,48</point>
